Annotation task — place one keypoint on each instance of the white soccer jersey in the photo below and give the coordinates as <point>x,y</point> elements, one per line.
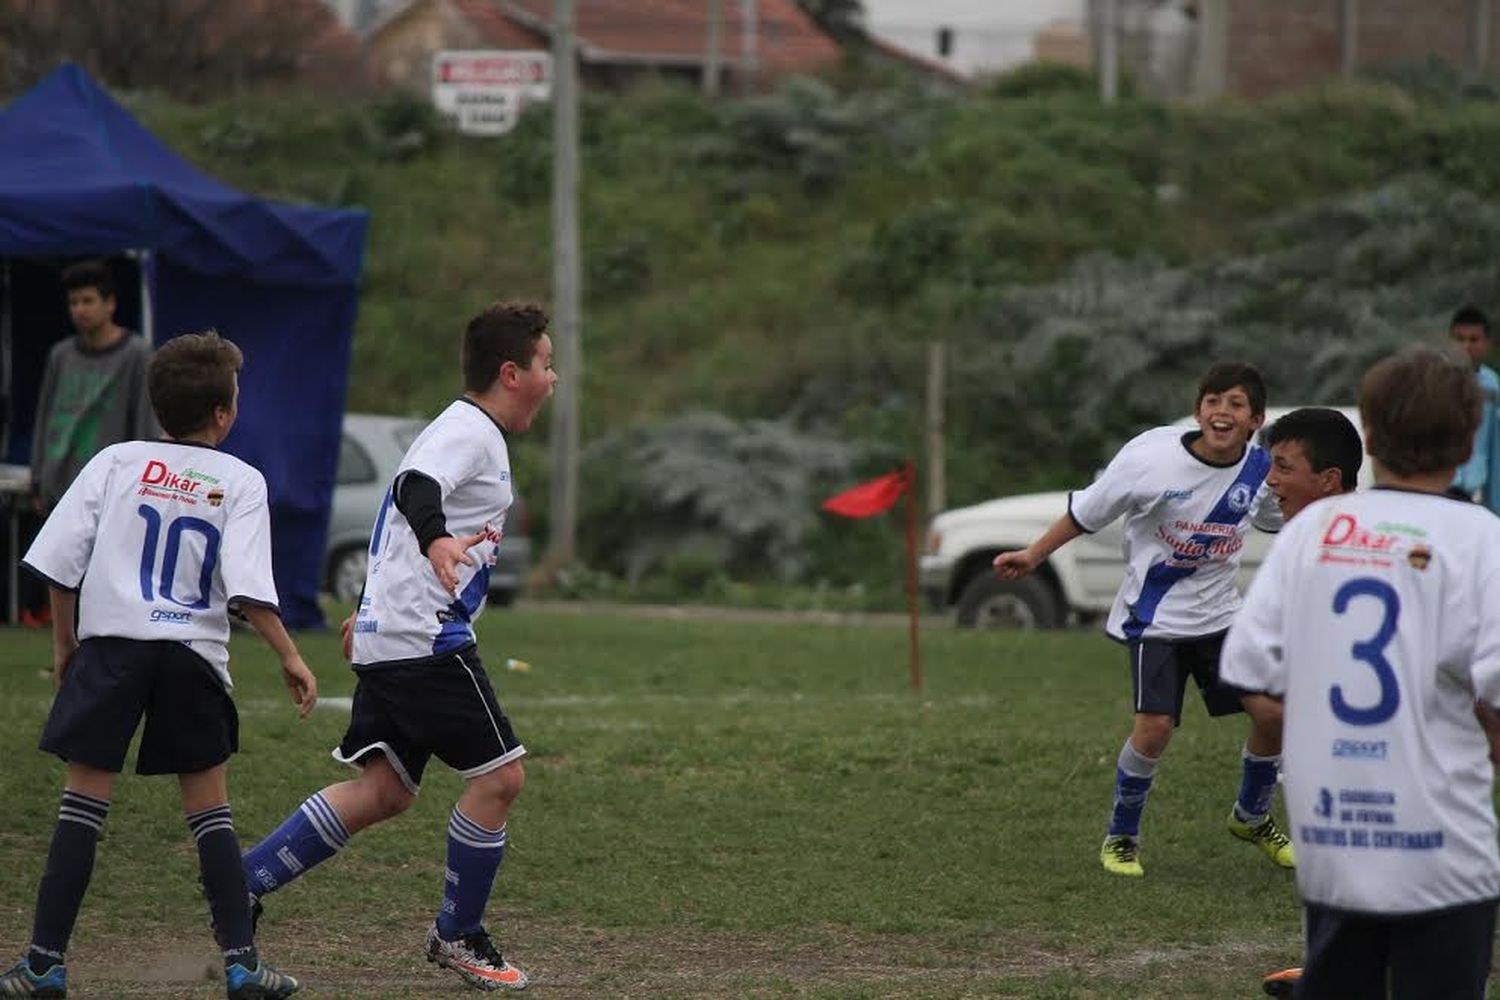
<point>1377,617</point>
<point>1185,524</point>
<point>159,538</point>
<point>405,613</point>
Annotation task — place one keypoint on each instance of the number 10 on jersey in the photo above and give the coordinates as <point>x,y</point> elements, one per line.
<point>167,576</point>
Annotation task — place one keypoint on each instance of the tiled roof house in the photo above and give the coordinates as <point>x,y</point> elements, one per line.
<point>618,40</point>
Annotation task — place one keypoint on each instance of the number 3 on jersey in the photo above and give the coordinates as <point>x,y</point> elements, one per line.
<point>175,531</point>
<point>1370,652</point>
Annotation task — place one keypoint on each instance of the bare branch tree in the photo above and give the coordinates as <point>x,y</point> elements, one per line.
<point>191,49</point>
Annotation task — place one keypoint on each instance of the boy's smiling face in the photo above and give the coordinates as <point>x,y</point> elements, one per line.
<point>1227,422</point>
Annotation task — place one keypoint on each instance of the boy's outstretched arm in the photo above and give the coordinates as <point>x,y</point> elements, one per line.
<point>64,639</point>
<point>1014,565</point>
<point>299,680</point>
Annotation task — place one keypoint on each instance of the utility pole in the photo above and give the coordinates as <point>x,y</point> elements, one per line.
<point>749,47</point>
<point>937,475</point>
<point>1481,35</point>
<point>1109,50</point>
<point>1349,37</point>
<point>712,56</point>
<point>563,527</point>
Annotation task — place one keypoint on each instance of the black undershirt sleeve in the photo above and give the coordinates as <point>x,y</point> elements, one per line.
<point>420,501</point>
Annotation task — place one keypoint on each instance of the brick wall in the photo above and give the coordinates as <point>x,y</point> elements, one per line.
<point>1277,45</point>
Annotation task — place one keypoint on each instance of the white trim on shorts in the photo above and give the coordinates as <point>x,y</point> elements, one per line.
<point>1140,680</point>
<point>390,755</point>
<point>509,753</point>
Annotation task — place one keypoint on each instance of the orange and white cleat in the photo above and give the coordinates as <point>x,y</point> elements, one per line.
<point>476,959</point>
<point>1281,984</point>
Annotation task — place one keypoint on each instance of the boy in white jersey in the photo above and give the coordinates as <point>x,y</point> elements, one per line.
<point>421,689</point>
<point>151,545</point>
<point>1376,620</point>
<point>1315,453</point>
<point>1188,500</point>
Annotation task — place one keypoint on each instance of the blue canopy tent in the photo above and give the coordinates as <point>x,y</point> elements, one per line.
<point>80,177</point>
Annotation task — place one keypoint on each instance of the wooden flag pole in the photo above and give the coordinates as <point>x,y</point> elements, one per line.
<point>911,575</point>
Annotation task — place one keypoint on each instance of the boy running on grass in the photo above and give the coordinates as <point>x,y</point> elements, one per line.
<point>151,544</point>
<point>422,690</point>
<point>1376,620</point>
<point>1188,499</point>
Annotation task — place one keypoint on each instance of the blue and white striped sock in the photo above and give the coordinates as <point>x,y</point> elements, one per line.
<point>1134,773</point>
<point>474,856</point>
<point>70,865</point>
<point>306,838</point>
<point>224,882</point>
<point>1257,787</point>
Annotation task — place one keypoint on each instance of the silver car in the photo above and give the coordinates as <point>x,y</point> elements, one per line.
<point>369,454</point>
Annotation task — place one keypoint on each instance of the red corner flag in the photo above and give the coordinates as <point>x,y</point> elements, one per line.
<point>868,499</point>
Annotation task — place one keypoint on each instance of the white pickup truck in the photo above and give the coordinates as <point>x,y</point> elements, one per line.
<point>1077,584</point>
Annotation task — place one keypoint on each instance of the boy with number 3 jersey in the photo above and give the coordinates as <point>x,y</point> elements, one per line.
<point>1376,619</point>
<point>152,543</point>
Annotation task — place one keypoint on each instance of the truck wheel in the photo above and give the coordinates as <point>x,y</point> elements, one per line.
<point>990,602</point>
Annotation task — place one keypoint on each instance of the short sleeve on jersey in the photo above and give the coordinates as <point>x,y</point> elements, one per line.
<point>61,551</point>
<point>448,456</point>
<point>1253,657</point>
<point>245,557</point>
<point>1485,668</point>
<point>1112,494</point>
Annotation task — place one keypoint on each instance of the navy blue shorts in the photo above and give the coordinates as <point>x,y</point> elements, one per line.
<point>1442,955</point>
<point>1159,672</point>
<point>191,723</point>
<point>444,707</point>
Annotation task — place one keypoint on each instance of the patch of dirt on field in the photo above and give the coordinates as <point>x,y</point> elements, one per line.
<point>579,962</point>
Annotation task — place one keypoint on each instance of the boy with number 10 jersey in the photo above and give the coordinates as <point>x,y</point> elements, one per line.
<point>152,544</point>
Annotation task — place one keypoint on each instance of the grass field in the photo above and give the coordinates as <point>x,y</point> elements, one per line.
<point>718,809</point>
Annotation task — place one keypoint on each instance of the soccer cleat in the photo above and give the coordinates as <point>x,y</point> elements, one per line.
<point>1121,855</point>
<point>1268,837</point>
<point>475,958</point>
<point>259,983</point>
<point>1281,984</point>
<point>20,981</point>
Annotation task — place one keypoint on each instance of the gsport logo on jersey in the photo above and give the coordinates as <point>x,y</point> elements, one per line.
<point>188,486</point>
<point>160,617</point>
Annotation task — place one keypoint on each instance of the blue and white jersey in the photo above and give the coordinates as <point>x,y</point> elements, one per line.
<point>1185,524</point>
<point>159,538</point>
<point>1377,618</point>
<point>405,613</point>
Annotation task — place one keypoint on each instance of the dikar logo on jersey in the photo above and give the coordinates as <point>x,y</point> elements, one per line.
<point>157,480</point>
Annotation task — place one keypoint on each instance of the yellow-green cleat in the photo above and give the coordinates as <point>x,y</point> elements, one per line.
<point>1121,855</point>
<point>1266,835</point>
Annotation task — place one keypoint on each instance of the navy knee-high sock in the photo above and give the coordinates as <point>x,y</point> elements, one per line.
<point>224,882</point>
<point>70,865</point>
